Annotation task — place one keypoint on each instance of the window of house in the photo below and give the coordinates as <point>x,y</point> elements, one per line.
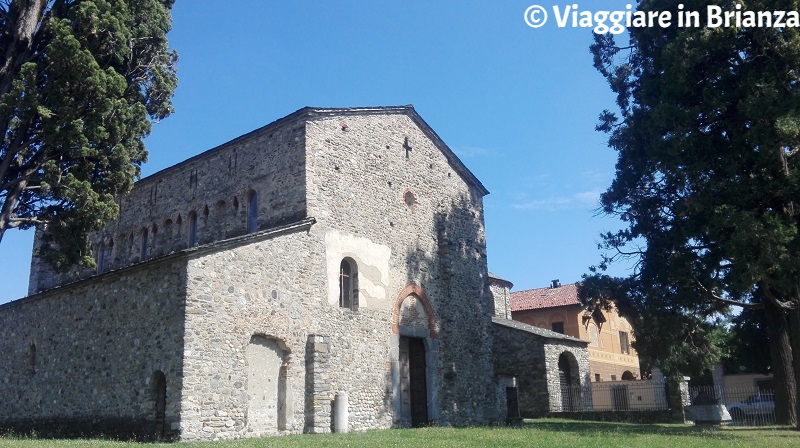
<point>597,377</point>
<point>613,377</point>
<point>252,212</point>
<point>624,343</point>
<point>192,229</point>
<point>558,327</point>
<point>594,335</point>
<point>348,288</point>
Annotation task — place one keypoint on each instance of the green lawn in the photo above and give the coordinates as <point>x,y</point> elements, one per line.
<point>547,433</point>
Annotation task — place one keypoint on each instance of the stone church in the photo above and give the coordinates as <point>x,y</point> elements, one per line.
<point>328,267</point>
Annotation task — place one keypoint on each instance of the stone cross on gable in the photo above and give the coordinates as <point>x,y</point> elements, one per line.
<point>407,147</point>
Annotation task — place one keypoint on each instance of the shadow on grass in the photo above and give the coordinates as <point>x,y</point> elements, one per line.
<point>594,427</point>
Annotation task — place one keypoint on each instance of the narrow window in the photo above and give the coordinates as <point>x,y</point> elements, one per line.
<point>348,284</point>
<point>109,253</point>
<point>32,359</point>
<point>143,248</point>
<point>558,327</point>
<point>101,258</point>
<point>597,377</point>
<point>192,229</point>
<point>624,344</point>
<point>252,213</point>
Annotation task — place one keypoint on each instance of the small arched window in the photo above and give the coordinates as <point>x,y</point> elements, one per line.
<point>192,229</point>
<point>143,247</point>
<point>32,359</point>
<point>252,212</point>
<point>101,258</point>
<point>348,284</point>
<point>110,250</point>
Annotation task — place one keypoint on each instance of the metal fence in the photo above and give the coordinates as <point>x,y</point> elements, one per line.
<point>613,396</point>
<point>748,406</point>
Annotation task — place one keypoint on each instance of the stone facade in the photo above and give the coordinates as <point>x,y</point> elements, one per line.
<point>334,250</point>
<point>84,358</point>
<point>501,294</point>
<point>537,362</point>
<point>531,356</point>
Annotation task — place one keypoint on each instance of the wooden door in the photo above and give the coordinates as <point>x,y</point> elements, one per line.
<point>419,389</point>
<point>413,385</point>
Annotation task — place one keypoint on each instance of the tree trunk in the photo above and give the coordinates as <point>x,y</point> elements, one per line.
<point>782,365</point>
<point>17,38</point>
<point>794,331</point>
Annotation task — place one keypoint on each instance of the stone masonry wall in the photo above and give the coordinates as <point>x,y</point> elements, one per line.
<point>211,190</point>
<point>502,297</point>
<point>579,360</point>
<point>386,178</point>
<point>375,187</point>
<point>273,288</point>
<point>81,359</point>
<point>520,355</point>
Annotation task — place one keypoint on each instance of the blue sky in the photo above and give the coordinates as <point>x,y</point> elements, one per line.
<point>518,105</point>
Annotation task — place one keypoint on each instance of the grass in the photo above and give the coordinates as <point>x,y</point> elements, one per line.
<point>548,433</point>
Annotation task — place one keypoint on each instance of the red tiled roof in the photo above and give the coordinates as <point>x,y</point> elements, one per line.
<point>534,299</point>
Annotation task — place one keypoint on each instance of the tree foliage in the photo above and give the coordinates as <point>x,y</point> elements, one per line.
<point>747,351</point>
<point>80,82</point>
<point>707,133</point>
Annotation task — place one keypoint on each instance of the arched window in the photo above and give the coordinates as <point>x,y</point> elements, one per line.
<point>348,284</point>
<point>143,247</point>
<point>101,258</point>
<point>110,252</point>
<point>32,359</point>
<point>594,335</point>
<point>192,229</point>
<point>252,212</point>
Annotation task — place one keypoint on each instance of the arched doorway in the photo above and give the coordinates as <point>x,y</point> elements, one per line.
<point>415,331</point>
<point>569,381</point>
<point>160,390</point>
<point>266,385</point>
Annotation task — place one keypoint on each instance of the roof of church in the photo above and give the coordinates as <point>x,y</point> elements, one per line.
<point>534,330</point>
<point>538,298</point>
<point>312,112</point>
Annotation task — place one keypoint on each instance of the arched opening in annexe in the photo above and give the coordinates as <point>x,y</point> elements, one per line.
<point>569,382</point>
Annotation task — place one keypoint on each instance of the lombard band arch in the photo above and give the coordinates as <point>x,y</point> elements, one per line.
<point>417,291</point>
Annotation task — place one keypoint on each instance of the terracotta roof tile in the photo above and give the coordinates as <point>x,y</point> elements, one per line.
<point>534,299</point>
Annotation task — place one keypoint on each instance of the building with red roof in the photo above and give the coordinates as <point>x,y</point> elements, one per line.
<point>558,308</point>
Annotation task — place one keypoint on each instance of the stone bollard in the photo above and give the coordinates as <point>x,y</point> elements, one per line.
<point>340,413</point>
